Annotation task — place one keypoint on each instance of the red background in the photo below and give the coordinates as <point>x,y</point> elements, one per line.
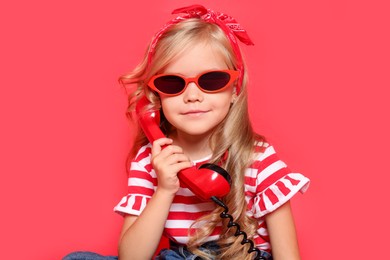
<point>319,91</point>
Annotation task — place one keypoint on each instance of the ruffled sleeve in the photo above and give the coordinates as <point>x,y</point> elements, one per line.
<point>142,181</point>
<point>270,183</point>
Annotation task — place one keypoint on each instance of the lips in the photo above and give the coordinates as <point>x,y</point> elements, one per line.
<point>194,112</point>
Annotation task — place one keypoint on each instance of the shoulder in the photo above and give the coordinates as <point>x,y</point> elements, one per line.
<point>262,151</point>
<point>144,152</point>
<point>142,160</point>
<point>266,166</point>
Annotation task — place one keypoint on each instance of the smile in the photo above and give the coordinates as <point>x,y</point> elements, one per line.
<point>194,113</point>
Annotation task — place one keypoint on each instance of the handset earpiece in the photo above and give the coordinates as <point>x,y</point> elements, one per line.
<point>149,120</point>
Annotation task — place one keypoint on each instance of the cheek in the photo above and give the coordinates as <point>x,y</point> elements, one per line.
<point>222,109</point>
<point>168,106</point>
<point>224,102</point>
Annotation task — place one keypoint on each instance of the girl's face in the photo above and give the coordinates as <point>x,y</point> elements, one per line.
<point>194,112</point>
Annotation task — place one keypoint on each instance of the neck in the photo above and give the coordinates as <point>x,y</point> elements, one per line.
<point>196,147</point>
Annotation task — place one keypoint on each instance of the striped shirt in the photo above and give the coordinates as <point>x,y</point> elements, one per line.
<point>268,185</point>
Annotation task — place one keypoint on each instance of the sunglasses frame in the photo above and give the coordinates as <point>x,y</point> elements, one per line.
<point>233,77</point>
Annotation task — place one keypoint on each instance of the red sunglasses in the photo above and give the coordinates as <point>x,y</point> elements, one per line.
<point>209,82</point>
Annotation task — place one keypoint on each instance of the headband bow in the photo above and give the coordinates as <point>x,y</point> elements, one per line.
<point>221,19</point>
<point>228,24</point>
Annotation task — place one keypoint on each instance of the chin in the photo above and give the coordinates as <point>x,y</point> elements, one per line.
<point>196,132</point>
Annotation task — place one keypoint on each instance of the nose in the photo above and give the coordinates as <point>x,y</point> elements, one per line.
<point>192,93</point>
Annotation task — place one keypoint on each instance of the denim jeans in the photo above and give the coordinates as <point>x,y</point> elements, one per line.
<point>176,252</point>
<point>88,256</point>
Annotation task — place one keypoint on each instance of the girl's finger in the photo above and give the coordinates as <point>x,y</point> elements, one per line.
<point>159,144</point>
<point>175,158</point>
<point>182,165</point>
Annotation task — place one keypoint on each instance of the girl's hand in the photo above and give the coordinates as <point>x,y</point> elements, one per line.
<point>167,161</point>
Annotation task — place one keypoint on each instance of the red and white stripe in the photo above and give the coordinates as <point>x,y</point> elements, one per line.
<point>268,184</point>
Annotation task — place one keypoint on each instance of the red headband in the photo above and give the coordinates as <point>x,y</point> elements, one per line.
<point>228,24</point>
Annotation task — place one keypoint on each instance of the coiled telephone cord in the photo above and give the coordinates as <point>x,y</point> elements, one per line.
<point>238,232</point>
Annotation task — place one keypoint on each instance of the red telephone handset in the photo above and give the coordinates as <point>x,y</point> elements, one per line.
<point>206,181</point>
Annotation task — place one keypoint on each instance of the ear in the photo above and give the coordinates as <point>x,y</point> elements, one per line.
<point>234,97</point>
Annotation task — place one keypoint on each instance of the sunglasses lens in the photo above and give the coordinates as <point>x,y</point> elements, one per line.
<point>214,80</point>
<point>169,84</point>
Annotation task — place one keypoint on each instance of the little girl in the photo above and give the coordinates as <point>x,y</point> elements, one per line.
<point>205,119</point>
<point>194,74</point>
